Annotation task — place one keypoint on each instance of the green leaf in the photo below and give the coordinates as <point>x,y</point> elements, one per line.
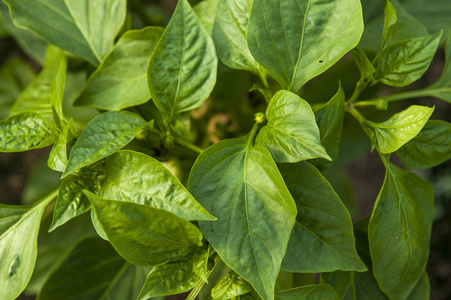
<point>291,134</point>
<point>71,201</point>
<point>340,281</point>
<point>169,279</point>
<point>139,178</point>
<point>57,85</point>
<point>431,147</point>
<point>183,82</point>
<point>36,96</point>
<point>404,62</point>
<point>442,87</point>
<point>25,131</point>
<point>144,235</point>
<point>87,271</point>
<point>329,119</point>
<point>58,156</point>
<point>422,289</point>
<point>322,239</point>
<point>121,79</point>
<point>104,135</point>
<point>128,285</point>
<point>230,286</point>
<point>86,28</point>
<point>391,135</point>
<point>206,12</point>
<point>242,187</point>
<point>230,34</point>
<point>400,229</point>
<point>200,262</point>
<point>297,40</point>
<point>366,68</point>
<point>19,227</point>
<point>310,292</point>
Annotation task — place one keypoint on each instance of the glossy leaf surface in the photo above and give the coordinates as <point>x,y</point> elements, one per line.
<point>310,292</point>
<point>104,135</point>
<point>139,178</point>
<point>230,286</point>
<point>58,156</point>
<point>143,235</point>
<point>86,28</point>
<point>241,186</point>
<point>25,131</point>
<point>297,40</point>
<point>322,239</point>
<point>391,135</point>
<point>183,82</point>
<point>399,230</point>
<point>121,79</point>
<point>291,134</point>
<point>200,262</point>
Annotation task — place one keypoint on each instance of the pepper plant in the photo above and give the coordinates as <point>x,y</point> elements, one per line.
<point>191,158</point>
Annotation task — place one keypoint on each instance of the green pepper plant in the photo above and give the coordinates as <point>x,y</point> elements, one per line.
<point>192,157</point>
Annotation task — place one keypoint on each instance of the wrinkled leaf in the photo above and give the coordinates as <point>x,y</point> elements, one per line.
<point>104,135</point>
<point>230,286</point>
<point>241,186</point>
<point>291,134</point>
<point>322,239</point>
<point>121,79</point>
<point>184,81</point>
<point>139,178</point>
<point>143,235</point>
<point>310,292</point>
<point>58,156</point>
<point>25,131</point>
<point>297,40</point>
<point>86,28</point>
<point>399,230</point>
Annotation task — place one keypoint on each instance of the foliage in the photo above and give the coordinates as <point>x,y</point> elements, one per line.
<point>199,149</point>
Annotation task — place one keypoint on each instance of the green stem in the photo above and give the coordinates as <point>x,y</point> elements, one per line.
<point>353,111</point>
<point>189,145</point>
<point>200,283</point>
<point>252,134</point>
<point>357,91</point>
<point>403,96</point>
<point>263,74</point>
<point>49,198</point>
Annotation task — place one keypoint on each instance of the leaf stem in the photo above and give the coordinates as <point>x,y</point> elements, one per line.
<point>357,91</point>
<point>403,96</point>
<point>353,111</point>
<point>189,145</point>
<point>251,135</point>
<point>48,198</point>
<point>200,282</point>
<point>263,78</point>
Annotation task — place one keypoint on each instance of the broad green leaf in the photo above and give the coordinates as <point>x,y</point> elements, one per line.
<point>340,281</point>
<point>87,271</point>
<point>71,200</point>
<point>241,186</point>
<point>322,239</point>
<point>143,235</point>
<point>206,12</point>
<point>230,286</point>
<point>139,178</point>
<point>121,79</point>
<point>296,40</point>
<point>329,119</point>
<point>431,147</point>
<point>184,81</point>
<point>19,227</point>
<point>25,131</point>
<point>366,68</point>
<point>310,292</point>
<point>399,230</point>
<point>230,35</point>
<point>442,87</point>
<point>58,156</point>
<point>391,135</point>
<point>128,285</point>
<point>86,28</point>
<point>36,96</point>
<point>406,61</point>
<point>15,75</point>
<point>169,279</point>
<point>200,262</point>
<point>104,135</point>
<point>291,134</point>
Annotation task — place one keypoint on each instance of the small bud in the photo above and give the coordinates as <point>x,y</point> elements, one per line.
<point>381,104</point>
<point>260,117</point>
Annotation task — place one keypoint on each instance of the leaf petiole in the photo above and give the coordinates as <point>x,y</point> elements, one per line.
<point>200,283</point>
<point>403,96</point>
<point>188,145</point>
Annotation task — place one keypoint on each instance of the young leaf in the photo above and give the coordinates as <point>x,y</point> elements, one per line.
<point>104,135</point>
<point>391,135</point>
<point>88,270</point>
<point>57,85</point>
<point>86,28</point>
<point>169,279</point>
<point>442,87</point>
<point>25,131</point>
<point>121,79</point>
<point>399,230</point>
<point>297,40</point>
<point>241,186</point>
<point>230,34</point>
<point>58,156</point>
<point>19,227</point>
<point>139,178</point>
<point>366,68</point>
<point>230,286</point>
<point>184,81</point>
<point>291,134</point>
<point>431,147</point>
<point>322,239</point>
<point>143,235</point>
<point>71,201</point>
<point>200,262</point>
<point>310,292</point>
<point>206,12</point>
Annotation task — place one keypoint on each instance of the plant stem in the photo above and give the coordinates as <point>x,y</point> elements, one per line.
<point>263,74</point>
<point>252,134</point>
<point>200,283</point>
<point>357,91</point>
<point>353,111</point>
<point>403,96</point>
<point>189,145</point>
<point>49,198</point>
